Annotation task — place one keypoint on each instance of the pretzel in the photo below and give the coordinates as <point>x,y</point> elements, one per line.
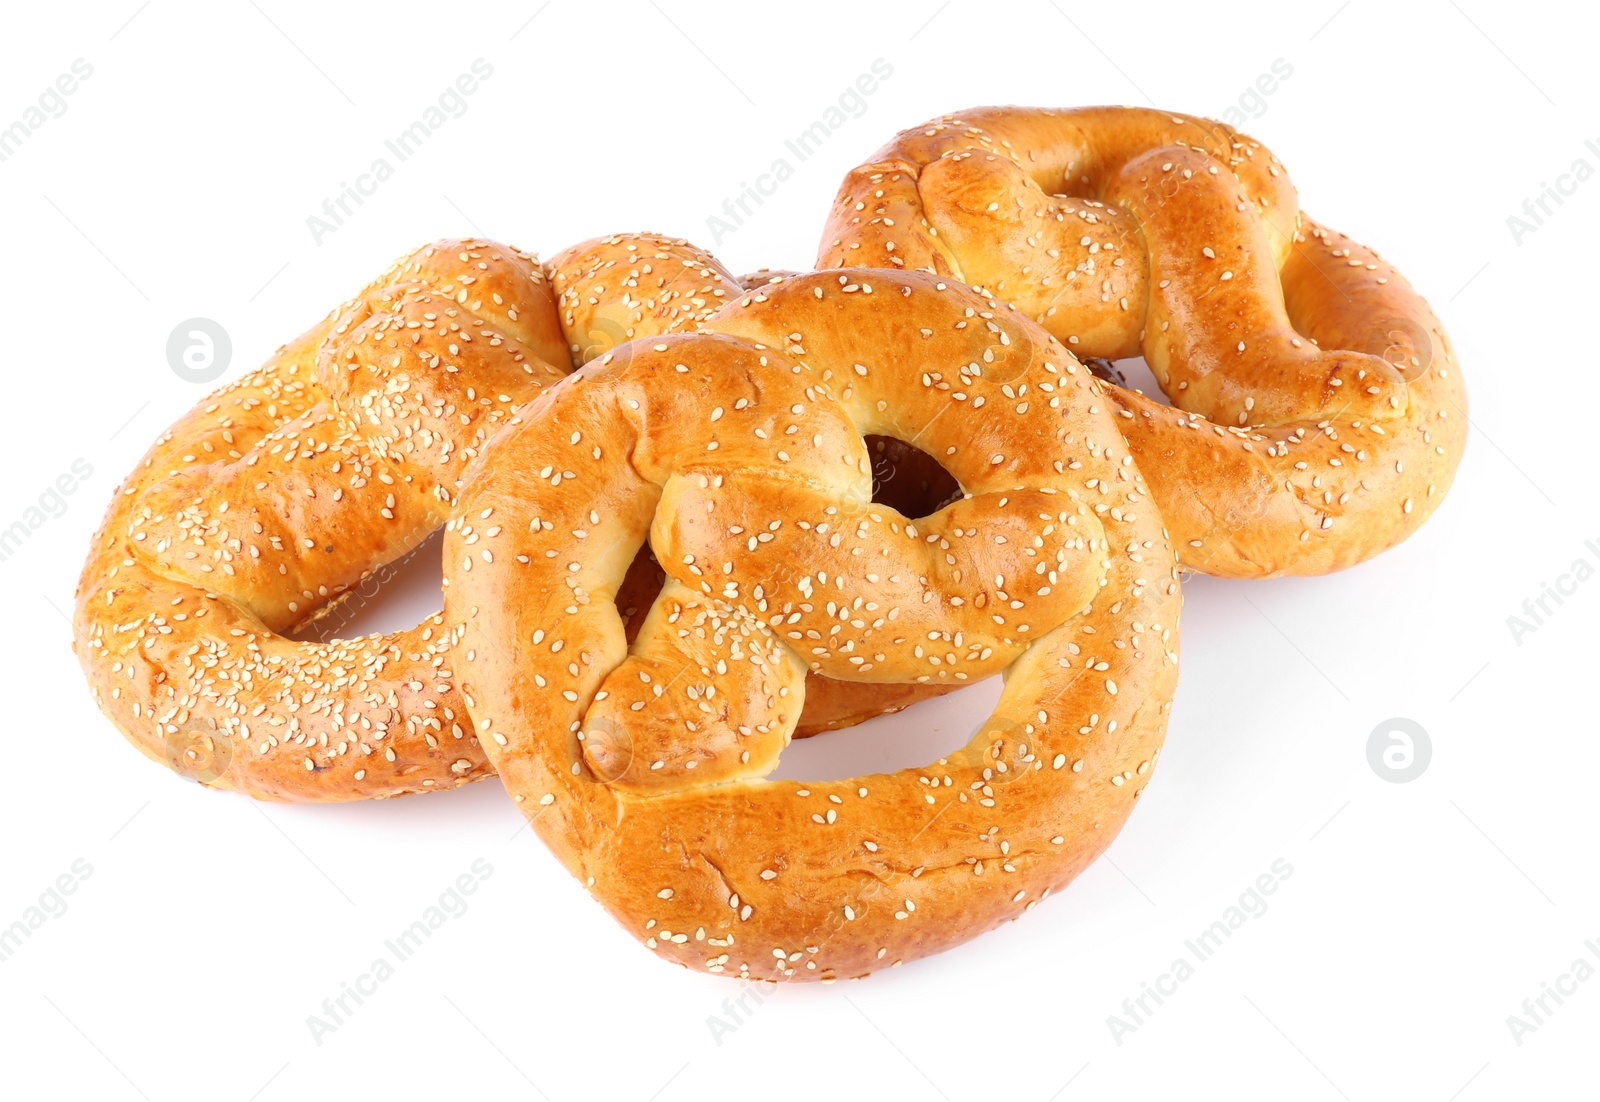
<point>1318,416</point>
<point>739,453</point>
<point>279,496</point>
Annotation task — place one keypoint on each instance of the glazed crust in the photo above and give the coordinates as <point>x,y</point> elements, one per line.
<point>1317,413</point>
<point>739,453</point>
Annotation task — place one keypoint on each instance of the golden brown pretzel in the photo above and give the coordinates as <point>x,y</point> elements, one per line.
<point>739,452</point>
<point>1318,414</point>
<point>279,495</point>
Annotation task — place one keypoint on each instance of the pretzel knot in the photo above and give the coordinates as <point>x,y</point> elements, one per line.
<point>739,453</point>
<point>1318,416</point>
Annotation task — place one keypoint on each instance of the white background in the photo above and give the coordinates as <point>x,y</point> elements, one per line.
<point>1418,916</point>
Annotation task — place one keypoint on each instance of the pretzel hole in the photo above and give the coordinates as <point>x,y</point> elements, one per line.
<point>395,597</point>
<point>1130,374</point>
<point>908,479</point>
<point>925,732</point>
<point>638,591</point>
